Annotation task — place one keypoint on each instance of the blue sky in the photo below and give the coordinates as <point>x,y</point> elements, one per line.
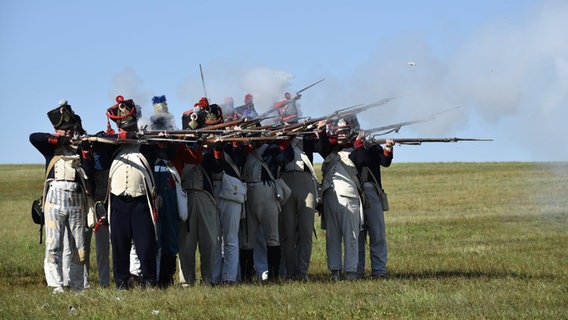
<point>503,63</point>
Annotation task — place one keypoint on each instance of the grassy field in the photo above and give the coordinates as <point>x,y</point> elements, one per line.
<point>466,241</point>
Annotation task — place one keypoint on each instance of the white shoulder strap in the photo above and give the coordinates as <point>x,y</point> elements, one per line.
<point>232,164</point>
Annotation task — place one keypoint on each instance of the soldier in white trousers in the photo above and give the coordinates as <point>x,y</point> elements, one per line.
<point>64,198</point>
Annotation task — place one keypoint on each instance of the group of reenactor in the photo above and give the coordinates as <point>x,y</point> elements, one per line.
<point>243,193</point>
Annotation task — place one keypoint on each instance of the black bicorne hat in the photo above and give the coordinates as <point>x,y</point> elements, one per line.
<point>63,117</point>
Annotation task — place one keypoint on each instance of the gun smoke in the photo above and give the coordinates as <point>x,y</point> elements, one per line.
<point>509,81</point>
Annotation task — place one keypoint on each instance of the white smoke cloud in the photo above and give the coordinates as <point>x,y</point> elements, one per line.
<point>512,76</point>
<point>265,84</point>
<point>520,72</point>
<point>128,84</point>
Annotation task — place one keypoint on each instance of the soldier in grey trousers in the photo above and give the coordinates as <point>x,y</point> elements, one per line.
<point>342,202</point>
<point>262,207</point>
<point>201,227</point>
<point>368,161</point>
<point>297,216</point>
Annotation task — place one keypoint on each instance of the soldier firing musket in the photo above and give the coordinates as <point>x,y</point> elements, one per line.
<point>289,101</point>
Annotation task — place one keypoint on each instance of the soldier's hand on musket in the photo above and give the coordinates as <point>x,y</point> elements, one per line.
<point>361,135</point>
<point>218,145</point>
<point>85,144</point>
<point>142,131</point>
<point>321,125</point>
<point>389,143</point>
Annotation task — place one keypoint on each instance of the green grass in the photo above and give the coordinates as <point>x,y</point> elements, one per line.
<point>466,241</point>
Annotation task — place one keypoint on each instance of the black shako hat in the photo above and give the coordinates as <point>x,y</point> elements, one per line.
<point>123,113</point>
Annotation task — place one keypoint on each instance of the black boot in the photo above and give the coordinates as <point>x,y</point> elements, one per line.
<point>273,255</point>
<point>167,271</point>
<point>247,265</point>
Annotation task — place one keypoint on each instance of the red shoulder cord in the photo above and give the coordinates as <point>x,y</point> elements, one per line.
<point>110,130</point>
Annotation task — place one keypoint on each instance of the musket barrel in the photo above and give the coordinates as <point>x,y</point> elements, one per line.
<point>311,85</point>
<point>418,141</point>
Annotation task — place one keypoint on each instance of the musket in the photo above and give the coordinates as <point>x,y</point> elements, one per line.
<point>207,130</point>
<point>203,80</point>
<point>244,139</point>
<point>306,88</point>
<point>167,133</point>
<point>337,114</point>
<point>300,126</point>
<point>419,141</point>
<point>266,127</point>
<point>360,108</point>
<point>219,139</point>
<point>243,121</point>
<point>116,140</point>
<point>397,126</point>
